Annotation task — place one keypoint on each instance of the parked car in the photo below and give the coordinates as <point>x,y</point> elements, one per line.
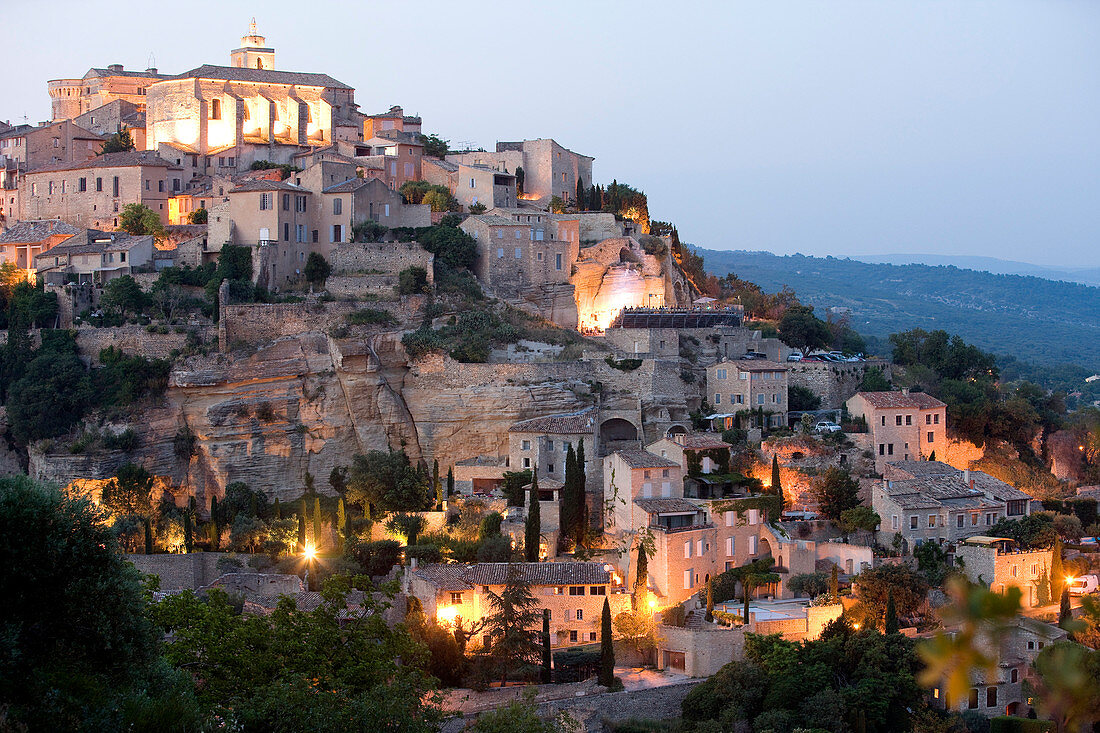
<point>794,356</point>
<point>1084,585</point>
<point>826,426</point>
<point>754,355</point>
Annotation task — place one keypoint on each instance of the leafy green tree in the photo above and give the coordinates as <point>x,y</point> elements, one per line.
<point>511,623</point>
<point>138,220</point>
<point>300,670</point>
<point>368,230</point>
<point>129,492</point>
<point>801,398</point>
<point>435,146</point>
<point>317,269</point>
<point>123,295</point>
<point>412,281</point>
<point>809,584</point>
<point>78,651</point>
<point>858,518</point>
<point>532,529</point>
<point>607,650</point>
<point>753,575</point>
<point>387,482</point>
<point>375,558</point>
<point>834,492</point>
<point>522,716</point>
<point>1066,685</point>
<point>451,246</point>
<point>408,526</point>
<point>874,381</point>
<point>907,588</point>
<point>52,393</point>
<point>120,142</point>
<point>198,216</point>
<point>801,329</point>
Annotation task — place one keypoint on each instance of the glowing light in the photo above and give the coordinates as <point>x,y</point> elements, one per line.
<point>310,552</point>
<point>855,626</point>
<point>652,603</point>
<point>446,615</point>
<point>1070,579</point>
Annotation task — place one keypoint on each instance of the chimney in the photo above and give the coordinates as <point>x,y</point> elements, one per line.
<point>114,67</point>
<point>151,70</point>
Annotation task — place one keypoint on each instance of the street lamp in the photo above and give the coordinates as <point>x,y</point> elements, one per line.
<point>309,553</point>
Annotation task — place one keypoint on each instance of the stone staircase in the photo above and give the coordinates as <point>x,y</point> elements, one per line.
<point>696,618</point>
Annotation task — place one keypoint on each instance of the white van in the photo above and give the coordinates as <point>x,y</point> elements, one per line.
<point>1084,585</point>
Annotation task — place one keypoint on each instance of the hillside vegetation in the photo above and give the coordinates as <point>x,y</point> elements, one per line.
<point>1035,320</point>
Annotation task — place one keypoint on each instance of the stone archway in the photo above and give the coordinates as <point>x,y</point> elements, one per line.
<point>675,430</point>
<point>617,429</point>
<point>678,295</point>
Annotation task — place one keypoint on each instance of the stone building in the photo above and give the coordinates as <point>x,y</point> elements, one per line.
<point>70,98</point>
<point>929,501</point>
<point>95,258</point>
<point>357,200</point>
<point>544,442</point>
<point>519,251</point>
<point>471,185</point>
<point>573,592</point>
<point>114,117</point>
<point>248,111</point>
<point>27,148</point>
<point>748,386</point>
<point>381,124</point>
<point>548,168</point>
<point>1000,564</point>
<point>91,193</point>
<point>904,425</point>
<point>24,240</point>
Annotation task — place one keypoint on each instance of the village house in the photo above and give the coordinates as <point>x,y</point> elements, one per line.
<point>23,241</point>
<point>471,185</point>
<point>95,258</point>
<point>1000,564</point>
<point>358,200</point>
<point>573,592</point>
<point>929,501</point>
<point>381,124</point>
<point>520,251</point>
<point>92,193</point>
<point>745,387</point>
<point>548,168</point>
<point>114,117</point>
<point>903,425</point>
<point>70,98</point>
<point>544,442</point>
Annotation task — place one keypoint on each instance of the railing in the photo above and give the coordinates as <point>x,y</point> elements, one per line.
<point>673,530</point>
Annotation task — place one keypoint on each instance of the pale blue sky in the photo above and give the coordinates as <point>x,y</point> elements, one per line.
<point>825,127</point>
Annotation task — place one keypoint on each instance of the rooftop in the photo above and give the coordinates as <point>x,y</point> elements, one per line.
<point>667,506</point>
<point>645,459</point>
<point>95,242</point>
<point>901,400</point>
<point>570,423</point>
<point>37,230</point>
<point>753,365</point>
<point>262,76</point>
<point>461,576</point>
<point>111,160</point>
<point>265,185</point>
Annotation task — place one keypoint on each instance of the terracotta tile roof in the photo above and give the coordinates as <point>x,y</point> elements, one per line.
<point>951,490</point>
<point>752,365</point>
<point>265,185</point>
<point>700,441</point>
<point>645,459</point>
<point>262,76</point>
<point>349,186</point>
<point>570,423</point>
<point>896,400</point>
<point>111,160</point>
<point>666,506</point>
<point>37,230</point>
<point>460,576</point>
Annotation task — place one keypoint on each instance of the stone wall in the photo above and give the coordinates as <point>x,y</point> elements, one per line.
<point>255,323</point>
<point>354,286</point>
<point>833,382</point>
<point>180,572</point>
<point>64,468</point>
<point>134,341</point>
<point>380,258</point>
<point>705,650</point>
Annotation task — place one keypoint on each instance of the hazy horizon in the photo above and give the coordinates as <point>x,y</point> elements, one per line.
<point>845,128</point>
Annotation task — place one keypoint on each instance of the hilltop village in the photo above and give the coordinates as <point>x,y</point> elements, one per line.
<point>265,331</point>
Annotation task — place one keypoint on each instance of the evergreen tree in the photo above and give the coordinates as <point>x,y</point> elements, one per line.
<point>1064,614</point>
<point>316,522</point>
<point>533,527</point>
<point>641,579</point>
<point>582,195</point>
<point>278,510</point>
<point>188,533</point>
<point>214,513</point>
<point>777,486</point>
<point>148,536</point>
<point>546,675</point>
<point>1057,571</point>
<point>436,485</point>
<point>710,600</point>
<point>1042,590</point>
<point>566,503</point>
<point>341,524</point>
<point>450,481</point>
<point>511,624</point>
<point>581,496</point>
<point>891,623</point>
<point>932,456</point>
<point>834,584</point>
<point>302,531</point>
<point>215,536</point>
<point>607,651</point>
<point>593,199</point>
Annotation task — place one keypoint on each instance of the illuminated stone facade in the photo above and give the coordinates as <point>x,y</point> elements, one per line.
<point>72,97</point>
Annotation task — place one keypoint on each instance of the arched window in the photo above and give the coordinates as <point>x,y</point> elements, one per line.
<point>259,63</point>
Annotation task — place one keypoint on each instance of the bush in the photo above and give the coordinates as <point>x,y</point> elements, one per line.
<point>371,317</point>
<point>424,553</point>
<point>1011,724</point>
<point>412,280</point>
<point>375,558</point>
<point>623,365</point>
<point>809,584</point>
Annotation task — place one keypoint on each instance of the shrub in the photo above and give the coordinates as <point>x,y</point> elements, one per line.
<point>412,280</point>
<point>623,365</point>
<point>371,317</point>
<point>375,558</point>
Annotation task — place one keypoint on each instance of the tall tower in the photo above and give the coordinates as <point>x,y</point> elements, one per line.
<point>253,54</point>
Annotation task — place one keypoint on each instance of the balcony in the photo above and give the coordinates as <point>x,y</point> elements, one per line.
<point>686,528</point>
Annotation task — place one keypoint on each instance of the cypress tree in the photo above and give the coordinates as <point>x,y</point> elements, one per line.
<point>450,481</point>
<point>341,524</point>
<point>214,508</point>
<point>710,600</point>
<point>436,485</point>
<point>932,456</point>
<point>593,199</point>
<point>607,651</point>
<point>581,496</point>
<point>188,533</point>
<point>546,675</point>
<point>1057,572</point>
<point>215,536</point>
<point>533,527</point>
<point>834,584</point>
<point>316,522</point>
<point>1042,591</point>
<point>566,502</point>
<point>582,203</point>
<point>1064,614</point>
<point>777,486</point>
<point>641,580</point>
<point>148,537</point>
<point>278,509</point>
<point>301,532</point>
<point>891,622</point>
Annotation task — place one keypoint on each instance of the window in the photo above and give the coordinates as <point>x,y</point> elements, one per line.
<point>889,449</point>
<point>972,702</point>
<point>597,590</point>
<point>752,544</point>
<point>897,419</point>
<point>729,518</point>
<point>991,697</point>
<point>580,614</point>
<point>337,233</point>
<point>931,520</point>
<point>882,449</point>
<point>721,374</point>
<point>931,437</point>
<point>883,421</point>
<point>519,252</point>
<point>729,547</point>
<point>315,233</point>
<point>337,206</point>
<point>550,467</point>
<point>591,635</point>
<point>386,208</point>
<point>1014,675</point>
<point>717,398</point>
<point>974,520</point>
<point>500,253</point>
<point>936,419</point>
<point>215,109</point>
<point>759,399</point>
<point>300,233</point>
<point>913,522</point>
<point>1015,571</point>
<point>559,590</point>
<point>99,185</point>
<point>525,445</point>
<point>959,520</point>
<point>265,202</point>
<point>928,419</point>
<point>526,462</point>
<point>743,375</point>
<point>286,232</point>
<point>557,262</point>
<point>699,548</point>
<point>456,598</point>
<point>687,550</point>
<point>576,590</point>
<point>689,579</point>
<point>908,419</point>
<point>286,202</point>
<point>572,636</point>
<point>82,185</point>
<point>894,522</point>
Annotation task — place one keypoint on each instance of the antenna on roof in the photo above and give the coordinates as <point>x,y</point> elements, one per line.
<point>152,61</point>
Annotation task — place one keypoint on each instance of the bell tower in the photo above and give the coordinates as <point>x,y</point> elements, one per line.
<point>253,53</point>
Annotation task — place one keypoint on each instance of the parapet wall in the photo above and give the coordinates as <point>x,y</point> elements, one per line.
<point>833,382</point>
<point>379,258</point>
<point>133,340</point>
<point>180,572</point>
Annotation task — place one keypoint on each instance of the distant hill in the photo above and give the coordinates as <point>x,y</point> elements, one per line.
<point>1033,319</point>
<point>1084,275</point>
